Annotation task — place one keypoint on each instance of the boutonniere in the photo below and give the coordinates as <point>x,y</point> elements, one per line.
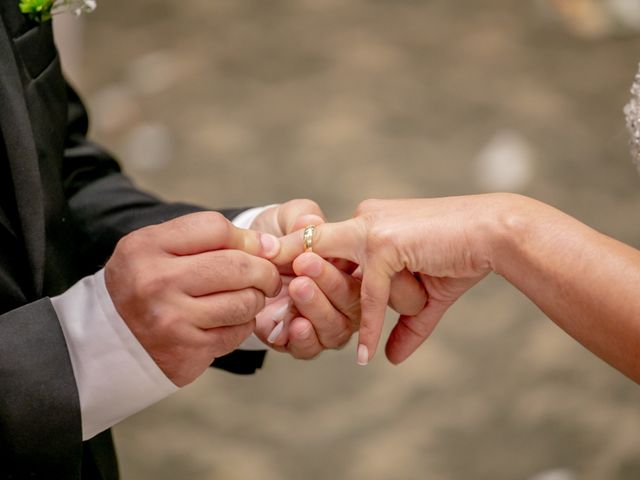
<point>42,10</point>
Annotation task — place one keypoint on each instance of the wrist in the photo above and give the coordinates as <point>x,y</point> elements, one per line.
<point>506,228</point>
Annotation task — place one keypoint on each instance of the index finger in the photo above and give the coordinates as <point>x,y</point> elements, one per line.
<point>336,240</point>
<point>207,231</point>
<point>376,288</point>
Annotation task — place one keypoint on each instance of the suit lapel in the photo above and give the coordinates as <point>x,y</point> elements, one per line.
<point>23,158</point>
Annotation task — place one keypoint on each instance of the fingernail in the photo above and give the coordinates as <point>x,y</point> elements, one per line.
<point>270,245</point>
<point>280,314</point>
<point>275,333</point>
<point>363,355</point>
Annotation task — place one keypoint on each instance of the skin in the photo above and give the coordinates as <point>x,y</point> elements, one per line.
<point>316,316</point>
<point>323,299</point>
<point>583,280</point>
<point>189,289</point>
<point>194,288</point>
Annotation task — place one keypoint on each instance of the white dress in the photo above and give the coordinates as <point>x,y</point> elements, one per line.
<point>632,112</point>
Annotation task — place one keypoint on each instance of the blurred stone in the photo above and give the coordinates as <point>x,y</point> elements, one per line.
<point>217,137</point>
<point>596,18</point>
<point>148,147</point>
<point>361,51</point>
<point>557,474</point>
<point>627,12</point>
<point>505,163</point>
<point>114,108</point>
<point>154,72</point>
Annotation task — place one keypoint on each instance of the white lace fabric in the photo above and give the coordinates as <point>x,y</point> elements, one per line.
<point>632,113</point>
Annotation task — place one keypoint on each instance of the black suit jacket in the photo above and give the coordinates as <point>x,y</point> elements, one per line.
<point>64,204</point>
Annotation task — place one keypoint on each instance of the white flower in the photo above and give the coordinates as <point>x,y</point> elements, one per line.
<point>78,7</point>
<point>82,6</point>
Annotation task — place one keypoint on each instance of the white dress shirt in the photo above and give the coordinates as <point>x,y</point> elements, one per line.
<point>115,375</point>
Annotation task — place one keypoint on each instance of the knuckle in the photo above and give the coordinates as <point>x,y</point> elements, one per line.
<point>220,342</point>
<point>342,339</point>
<point>215,218</point>
<point>303,333</point>
<point>151,285</point>
<point>209,266</point>
<point>380,237</point>
<point>274,279</point>
<point>230,340</point>
<point>244,307</point>
<point>366,207</point>
<point>234,336</point>
<point>240,312</point>
<point>255,301</point>
<point>166,322</point>
<point>129,244</point>
<point>306,205</point>
<point>263,273</point>
<point>239,262</point>
<point>136,244</point>
<point>333,283</point>
<point>338,337</point>
<point>304,354</point>
<point>220,222</point>
<point>367,330</point>
<point>220,225</point>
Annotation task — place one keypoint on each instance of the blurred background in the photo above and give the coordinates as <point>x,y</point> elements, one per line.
<point>248,102</point>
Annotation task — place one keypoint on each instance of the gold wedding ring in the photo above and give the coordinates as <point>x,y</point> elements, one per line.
<point>307,237</point>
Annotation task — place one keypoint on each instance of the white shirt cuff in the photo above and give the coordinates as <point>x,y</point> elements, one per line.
<point>115,375</point>
<point>245,220</point>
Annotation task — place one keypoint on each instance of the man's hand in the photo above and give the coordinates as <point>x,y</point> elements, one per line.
<point>189,289</point>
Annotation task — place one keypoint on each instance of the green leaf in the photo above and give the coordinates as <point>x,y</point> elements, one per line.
<point>37,10</point>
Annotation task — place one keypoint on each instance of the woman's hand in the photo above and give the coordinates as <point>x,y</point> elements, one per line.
<point>583,280</point>
<point>320,305</point>
<point>445,242</point>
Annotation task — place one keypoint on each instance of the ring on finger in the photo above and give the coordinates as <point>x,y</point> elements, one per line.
<point>307,237</point>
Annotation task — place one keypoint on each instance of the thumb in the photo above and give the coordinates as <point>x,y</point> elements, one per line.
<point>208,231</point>
<point>255,243</point>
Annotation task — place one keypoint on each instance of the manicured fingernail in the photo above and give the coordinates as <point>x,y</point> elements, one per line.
<point>275,333</point>
<point>280,314</point>
<point>363,355</point>
<point>314,269</point>
<point>305,293</point>
<point>270,245</point>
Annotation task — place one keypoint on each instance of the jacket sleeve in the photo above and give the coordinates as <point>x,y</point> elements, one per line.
<point>40,423</point>
<point>106,206</point>
<point>104,202</point>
